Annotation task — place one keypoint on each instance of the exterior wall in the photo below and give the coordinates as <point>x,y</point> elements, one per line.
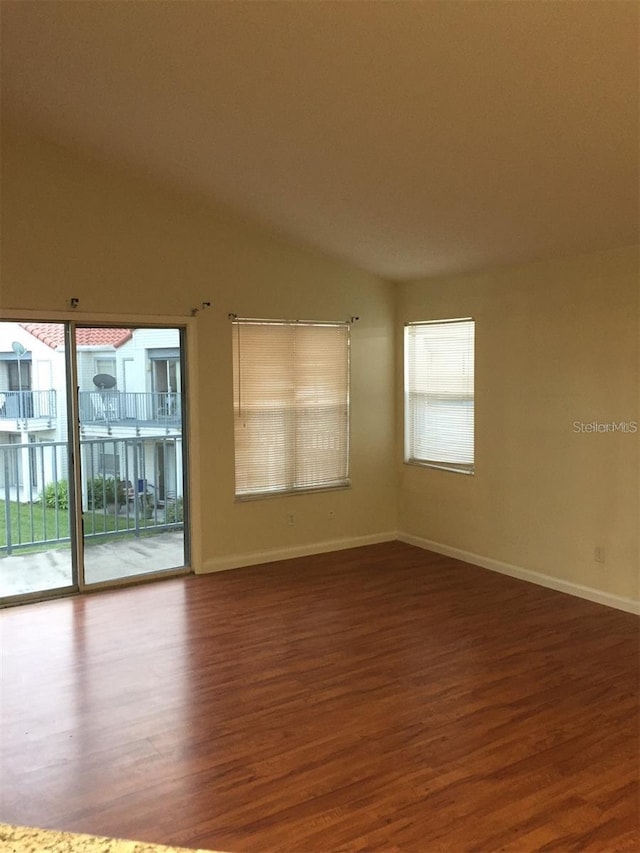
<point>41,356</point>
<point>25,472</point>
<point>87,367</point>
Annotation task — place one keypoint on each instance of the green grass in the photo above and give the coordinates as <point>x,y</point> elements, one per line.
<point>33,523</point>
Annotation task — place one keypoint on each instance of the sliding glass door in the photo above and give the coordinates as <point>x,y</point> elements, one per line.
<point>131,451</point>
<point>120,511</point>
<point>36,497</point>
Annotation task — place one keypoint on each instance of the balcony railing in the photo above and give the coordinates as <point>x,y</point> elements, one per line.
<point>130,487</point>
<point>130,408</point>
<point>27,405</point>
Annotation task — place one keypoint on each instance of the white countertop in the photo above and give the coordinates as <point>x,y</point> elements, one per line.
<point>25,839</point>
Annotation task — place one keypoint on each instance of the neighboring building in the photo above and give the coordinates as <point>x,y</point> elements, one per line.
<point>32,412</point>
<point>129,402</point>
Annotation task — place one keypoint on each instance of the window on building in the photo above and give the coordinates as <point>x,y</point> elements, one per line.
<point>439,394</point>
<point>166,381</point>
<point>291,403</point>
<point>19,375</point>
<point>109,463</point>
<point>166,375</point>
<point>105,365</point>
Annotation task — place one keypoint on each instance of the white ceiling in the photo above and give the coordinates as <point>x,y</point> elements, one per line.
<point>412,138</point>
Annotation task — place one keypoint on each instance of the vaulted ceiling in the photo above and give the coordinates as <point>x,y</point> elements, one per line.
<point>411,138</point>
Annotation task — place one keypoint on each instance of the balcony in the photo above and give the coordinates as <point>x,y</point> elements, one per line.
<point>18,409</point>
<point>130,409</point>
<point>128,489</point>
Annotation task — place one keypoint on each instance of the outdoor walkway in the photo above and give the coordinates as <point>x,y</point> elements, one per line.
<point>118,558</point>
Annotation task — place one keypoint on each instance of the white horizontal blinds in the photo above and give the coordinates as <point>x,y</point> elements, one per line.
<point>439,388</point>
<point>321,364</point>
<point>263,359</point>
<point>291,394</point>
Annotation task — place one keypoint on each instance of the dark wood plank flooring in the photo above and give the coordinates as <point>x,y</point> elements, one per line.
<point>382,698</point>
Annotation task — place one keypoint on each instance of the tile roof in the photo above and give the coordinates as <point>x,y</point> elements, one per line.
<point>52,334</point>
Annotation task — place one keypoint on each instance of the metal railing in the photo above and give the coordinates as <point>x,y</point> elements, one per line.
<point>130,408</point>
<point>25,405</point>
<point>129,487</point>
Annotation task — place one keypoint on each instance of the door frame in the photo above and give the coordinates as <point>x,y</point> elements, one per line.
<point>187,324</point>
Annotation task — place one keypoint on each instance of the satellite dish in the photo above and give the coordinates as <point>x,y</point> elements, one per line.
<point>104,381</point>
<point>18,348</point>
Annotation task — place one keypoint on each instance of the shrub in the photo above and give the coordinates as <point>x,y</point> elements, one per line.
<point>174,511</point>
<point>56,495</point>
<point>102,491</point>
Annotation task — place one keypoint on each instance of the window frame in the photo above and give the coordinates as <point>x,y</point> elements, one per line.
<point>409,449</point>
<point>288,486</point>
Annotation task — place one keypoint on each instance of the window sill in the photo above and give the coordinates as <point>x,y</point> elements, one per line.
<point>260,496</point>
<point>439,466</point>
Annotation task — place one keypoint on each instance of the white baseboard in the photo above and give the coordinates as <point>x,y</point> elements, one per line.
<point>255,558</point>
<point>590,593</point>
<point>238,561</point>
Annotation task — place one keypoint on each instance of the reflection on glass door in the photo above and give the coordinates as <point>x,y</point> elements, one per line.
<point>36,493</point>
<point>131,448</point>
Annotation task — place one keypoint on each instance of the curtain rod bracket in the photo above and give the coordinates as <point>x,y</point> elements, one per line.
<point>203,305</point>
<point>74,302</point>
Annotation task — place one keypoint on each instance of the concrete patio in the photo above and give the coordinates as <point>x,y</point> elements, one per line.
<point>21,574</point>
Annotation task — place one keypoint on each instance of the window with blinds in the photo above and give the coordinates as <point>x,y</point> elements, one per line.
<point>439,394</point>
<point>291,404</point>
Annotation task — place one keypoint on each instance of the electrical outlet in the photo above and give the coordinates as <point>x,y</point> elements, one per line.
<point>291,519</point>
<point>598,554</point>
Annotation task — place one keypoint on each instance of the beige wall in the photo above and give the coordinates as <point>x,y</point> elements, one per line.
<point>556,342</point>
<point>120,244</point>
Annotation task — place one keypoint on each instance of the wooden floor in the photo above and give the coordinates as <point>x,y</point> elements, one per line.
<point>382,698</point>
